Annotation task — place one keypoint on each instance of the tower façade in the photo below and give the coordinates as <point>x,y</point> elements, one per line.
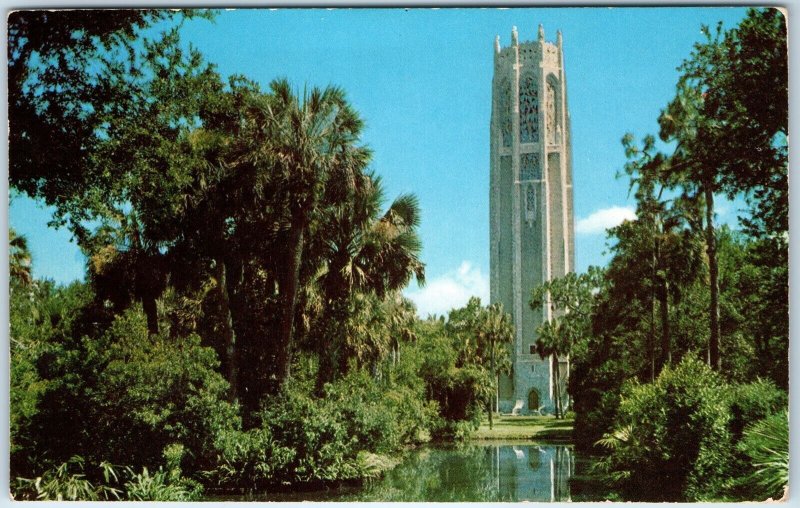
<point>532,236</point>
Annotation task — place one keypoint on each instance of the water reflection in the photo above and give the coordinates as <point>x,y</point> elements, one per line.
<point>479,473</point>
<point>534,473</point>
<point>486,472</point>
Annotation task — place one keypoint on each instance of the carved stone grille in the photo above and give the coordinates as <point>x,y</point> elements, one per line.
<point>528,109</point>
<point>504,107</point>
<point>530,203</point>
<point>551,118</point>
<point>529,169</point>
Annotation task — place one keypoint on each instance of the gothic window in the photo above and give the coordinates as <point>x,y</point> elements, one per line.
<point>504,112</point>
<point>529,167</point>
<point>528,109</point>
<point>530,203</point>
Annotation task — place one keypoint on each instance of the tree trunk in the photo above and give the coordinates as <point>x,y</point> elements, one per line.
<point>494,390</point>
<point>289,296</point>
<point>651,343</point>
<point>713,274</point>
<point>228,333</point>
<point>666,342</point>
<point>331,351</point>
<point>556,387</point>
<point>662,291</point>
<point>151,312</point>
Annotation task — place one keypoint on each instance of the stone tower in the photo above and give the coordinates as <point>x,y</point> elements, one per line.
<point>531,224</point>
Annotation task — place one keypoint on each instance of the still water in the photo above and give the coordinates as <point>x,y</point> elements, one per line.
<point>486,472</point>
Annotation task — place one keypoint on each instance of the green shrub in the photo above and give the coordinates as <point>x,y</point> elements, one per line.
<point>381,419</point>
<point>359,403</point>
<point>304,439</point>
<point>316,439</point>
<point>157,486</point>
<point>766,445</point>
<point>157,390</point>
<point>248,461</point>
<point>71,482</point>
<point>752,402</point>
<point>414,416</point>
<point>672,434</point>
<point>66,482</point>
<point>457,431</point>
<point>125,395</point>
<point>40,316</point>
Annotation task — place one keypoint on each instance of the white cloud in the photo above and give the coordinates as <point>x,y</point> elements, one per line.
<point>451,290</point>
<point>603,219</point>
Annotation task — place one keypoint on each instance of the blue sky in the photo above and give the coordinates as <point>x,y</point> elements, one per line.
<point>421,78</point>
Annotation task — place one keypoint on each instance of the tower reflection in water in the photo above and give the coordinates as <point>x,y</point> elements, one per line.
<point>520,472</point>
<point>533,472</point>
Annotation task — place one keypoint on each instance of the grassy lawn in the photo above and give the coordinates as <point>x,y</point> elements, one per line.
<point>536,428</point>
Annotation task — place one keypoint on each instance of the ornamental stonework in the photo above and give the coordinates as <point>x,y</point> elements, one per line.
<point>531,211</point>
<point>528,109</point>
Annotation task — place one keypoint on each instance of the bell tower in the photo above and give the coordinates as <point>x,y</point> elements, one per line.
<point>531,216</point>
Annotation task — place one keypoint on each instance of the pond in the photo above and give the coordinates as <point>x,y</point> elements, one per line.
<point>474,472</point>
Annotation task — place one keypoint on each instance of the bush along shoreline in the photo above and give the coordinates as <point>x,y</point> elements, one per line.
<point>119,413</point>
<point>698,438</point>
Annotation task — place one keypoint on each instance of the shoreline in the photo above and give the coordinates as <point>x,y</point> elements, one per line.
<point>526,428</point>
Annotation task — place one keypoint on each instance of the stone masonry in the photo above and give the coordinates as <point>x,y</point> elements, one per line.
<point>531,217</point>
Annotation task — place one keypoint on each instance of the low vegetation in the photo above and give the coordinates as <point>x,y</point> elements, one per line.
<point>112,411</point>
<point>527,428</point>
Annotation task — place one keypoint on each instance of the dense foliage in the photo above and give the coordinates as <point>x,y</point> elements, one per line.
<point>698,438</point>
<point>681,290</point>
<point>236,241</point>
<point>673,432</point>
<point>242,326</point>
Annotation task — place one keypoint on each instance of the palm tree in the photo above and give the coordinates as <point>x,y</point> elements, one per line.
<point>571,300</point>
<point>19,259</point>
<point>295,144</point>
<point>553,342</point>
<point>367,253</point>
<point>666,232</point>
<point>494,327</point>
<point>402,317</point>
<point>693,166</point>
<point>127,266</point>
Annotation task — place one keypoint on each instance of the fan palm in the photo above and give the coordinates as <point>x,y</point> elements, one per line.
<point>294,145</point>
<point>495,327</point>
<point>366,253</point>
<point>19,259</point>
<point>127,266</point>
